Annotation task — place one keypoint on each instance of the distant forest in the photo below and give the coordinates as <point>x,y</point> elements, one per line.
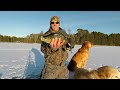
<point>97,38</point>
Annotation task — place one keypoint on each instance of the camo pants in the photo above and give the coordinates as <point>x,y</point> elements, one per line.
<point>55,72</point>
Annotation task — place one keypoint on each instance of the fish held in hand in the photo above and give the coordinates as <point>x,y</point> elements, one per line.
<point>49,39</point>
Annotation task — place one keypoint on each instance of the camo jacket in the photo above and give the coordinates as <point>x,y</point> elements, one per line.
<point>56,57</point>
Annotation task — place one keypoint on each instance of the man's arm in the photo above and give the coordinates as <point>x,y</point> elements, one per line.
<point>70,43</point>
<point>43,47</point>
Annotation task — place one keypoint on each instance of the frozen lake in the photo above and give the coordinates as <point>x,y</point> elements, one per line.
<point>23,60</point>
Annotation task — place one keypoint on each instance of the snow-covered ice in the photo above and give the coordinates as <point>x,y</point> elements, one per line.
<point>25,61</point>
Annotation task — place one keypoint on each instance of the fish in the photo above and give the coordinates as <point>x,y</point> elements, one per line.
<point>49,38</point>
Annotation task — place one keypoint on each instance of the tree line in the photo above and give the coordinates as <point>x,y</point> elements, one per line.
<point>32,38</point>
<point>97,38</point>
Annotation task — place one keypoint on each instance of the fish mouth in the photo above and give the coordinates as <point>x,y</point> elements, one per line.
<point>45,40</point>
<point>42,38</point>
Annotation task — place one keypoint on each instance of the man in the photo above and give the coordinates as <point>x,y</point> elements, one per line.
<point>56,52</point>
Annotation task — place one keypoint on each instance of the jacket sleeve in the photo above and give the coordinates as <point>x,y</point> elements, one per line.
<point>70,43</point>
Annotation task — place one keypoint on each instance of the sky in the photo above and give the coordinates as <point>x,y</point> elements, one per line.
<point>23,23</point>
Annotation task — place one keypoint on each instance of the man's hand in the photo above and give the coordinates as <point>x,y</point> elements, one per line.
<point>57,43</point>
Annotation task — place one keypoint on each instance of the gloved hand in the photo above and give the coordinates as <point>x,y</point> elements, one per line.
<point>70,43</point>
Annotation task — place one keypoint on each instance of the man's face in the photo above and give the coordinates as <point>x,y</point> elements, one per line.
<point>55,25</point>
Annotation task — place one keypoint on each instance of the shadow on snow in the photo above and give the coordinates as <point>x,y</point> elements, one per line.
<point>34,65</point>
